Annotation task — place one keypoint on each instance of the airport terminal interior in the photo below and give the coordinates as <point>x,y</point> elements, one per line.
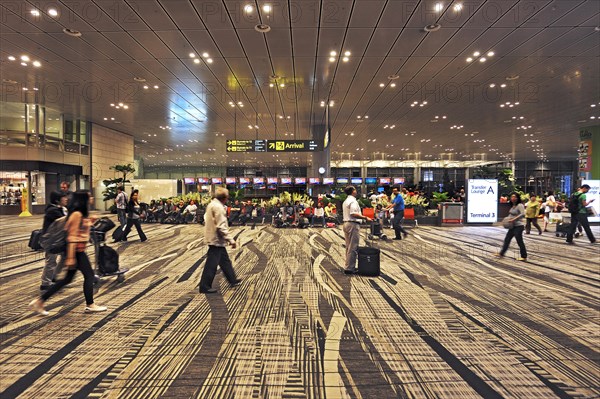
<point>408,193</point>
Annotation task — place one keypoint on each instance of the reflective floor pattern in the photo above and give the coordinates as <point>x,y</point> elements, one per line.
<point>446,319</point>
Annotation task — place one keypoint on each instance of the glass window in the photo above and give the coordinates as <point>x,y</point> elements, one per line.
<point>11,187</point>
<point>82,132</point>
<point>53,125</point>
<point>30,116</point>
<point>70,130</point>
<point>13,117</point>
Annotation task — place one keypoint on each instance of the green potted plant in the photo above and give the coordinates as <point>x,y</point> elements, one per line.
<point>110,192</point>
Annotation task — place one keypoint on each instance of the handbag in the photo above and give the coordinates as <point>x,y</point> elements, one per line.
<point>507,223</point>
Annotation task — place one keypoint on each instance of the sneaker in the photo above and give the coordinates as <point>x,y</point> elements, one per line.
<point>208,291</point>
<point>236,283</point>
<point>522,259</point>
<point>37,305</point>
<point>95,308</point>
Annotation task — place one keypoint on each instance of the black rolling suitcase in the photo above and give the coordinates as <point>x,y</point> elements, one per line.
<point>117,235</point>
<point>369,260</point>
<point>34,240</point>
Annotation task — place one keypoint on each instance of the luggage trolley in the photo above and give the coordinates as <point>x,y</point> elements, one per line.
<point>106,258</point>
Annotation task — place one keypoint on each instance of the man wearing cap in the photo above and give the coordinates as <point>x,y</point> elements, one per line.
<point>352,220</point>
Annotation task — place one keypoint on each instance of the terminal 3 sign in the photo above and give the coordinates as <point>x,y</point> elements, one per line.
<point>272,146</point>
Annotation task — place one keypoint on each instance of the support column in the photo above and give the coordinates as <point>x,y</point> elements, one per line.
<point>589,153</point>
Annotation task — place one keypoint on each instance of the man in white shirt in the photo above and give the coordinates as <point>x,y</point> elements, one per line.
<point>121,203</point>
<point>319,215</point>
<point>216,235</point>
<point>189,213</point>
<point>352,218</point>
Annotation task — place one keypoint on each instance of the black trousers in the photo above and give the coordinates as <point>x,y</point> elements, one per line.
<point>397,223</point>
<point>83,264</point>
<point>533,221</point>
<point>583,220</point>
<point>138,227</point>
<point>217,256</point>
<point>517,233</point>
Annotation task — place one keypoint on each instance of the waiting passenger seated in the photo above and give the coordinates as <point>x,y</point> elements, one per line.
<point>330,217</point>
<point>235,213</point>
<point>189,213</point>
<point>318,216</point>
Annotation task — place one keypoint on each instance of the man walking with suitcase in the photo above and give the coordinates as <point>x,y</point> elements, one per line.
<point>352,218</point>
<point>216,235</point>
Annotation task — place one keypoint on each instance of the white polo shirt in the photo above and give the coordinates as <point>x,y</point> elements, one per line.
<point>351,206</point>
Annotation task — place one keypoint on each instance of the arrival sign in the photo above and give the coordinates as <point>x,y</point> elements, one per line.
<point>482,201</point>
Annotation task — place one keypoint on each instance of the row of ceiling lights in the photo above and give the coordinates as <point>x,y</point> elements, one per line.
<point>480,57</point>
<point>25,60</point>
<point>205,55</point>
<point>119,106</point>
<point>333,55</point>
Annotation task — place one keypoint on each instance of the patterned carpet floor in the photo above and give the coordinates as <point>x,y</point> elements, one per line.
<point>446,319</point>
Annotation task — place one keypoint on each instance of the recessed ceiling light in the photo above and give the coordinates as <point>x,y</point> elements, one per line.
<point>592,105</point>
<point>145,87</point>
<point>282,85</point>
<point>35,13</point>
<point>381,84</point>
<point>24,63</point>
<point>347,54</point>
<point>458,7</point>
<point>196,60</point>
<point>156,86</point>
<point>482,59</point>
<point>271,85</point>
<point>267,8</point>
<point>490,54</point>
<point>438,7</point>
<point>52,12</point>
<point>24,58</point>
<point>432,28</point>
<point>262,28</point>
<point>11,58</point>
<point>25,89</point>
<point>492,85</point>
<point>331,59</point>
<point>469,59</point>
<point>248,8</point>
<point>345,59</point>
<point>476,54</point>
<point>503,85</point>
<point>333,54</point>
<point>392,84</point>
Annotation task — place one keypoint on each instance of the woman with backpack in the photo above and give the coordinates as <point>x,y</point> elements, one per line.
<point>78,226</point>
<point>55,210</point>
<point>515,223</point>
<point>134,210</point>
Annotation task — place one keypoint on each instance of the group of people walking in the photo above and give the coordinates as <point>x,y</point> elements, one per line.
<point>520,218</point>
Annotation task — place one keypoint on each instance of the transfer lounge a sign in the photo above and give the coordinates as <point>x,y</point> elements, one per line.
<point>482,201</point>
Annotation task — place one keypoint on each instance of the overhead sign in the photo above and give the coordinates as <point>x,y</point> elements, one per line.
<point>246,145</point>
<point>593,194</point>
<point>271,145</point>
<point>482,201</point>
<point>291,145</point>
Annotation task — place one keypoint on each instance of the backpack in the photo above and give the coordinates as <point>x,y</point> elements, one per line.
<point>54,240</point>
<point>574,203</point>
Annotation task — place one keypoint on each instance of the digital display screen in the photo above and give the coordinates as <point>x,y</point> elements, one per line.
<point>259,180</point>
<point>189,180</point>
<point>314,180</point>
<point>203,180</point>
<point>217,180</point>
<point>385,181</point>
<point>244,181</point>
<point>380,189</point>
<point>356,180</point>
<point>300,180</point>
<point>286,180</point>
<point>371,180</point>
<point>272,180</point>
<point>342,180</point>
<point>328,180</point>
<point>230,180</point>
<point>398,180</point>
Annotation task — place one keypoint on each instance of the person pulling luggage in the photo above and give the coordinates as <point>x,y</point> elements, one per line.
<point>78,234</point>
<point>352,218</point>
<point>55,210</point>
<point>134,210</point>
